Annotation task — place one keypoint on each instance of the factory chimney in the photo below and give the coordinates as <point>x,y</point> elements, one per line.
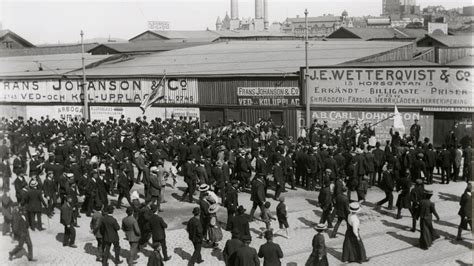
<point>265,14</point>
<point>258,9</point>
<point>234,9</point>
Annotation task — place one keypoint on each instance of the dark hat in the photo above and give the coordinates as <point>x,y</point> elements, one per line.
<point>241,209</point>
<point>246,238</point>
<point>268,234</point>
<point>196,210</point>
<point>129,210</point>
<point>428,192</point>
<point>109,209</point>
<point>154,207</point>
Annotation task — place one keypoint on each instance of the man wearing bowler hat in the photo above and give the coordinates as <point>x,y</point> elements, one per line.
<point>246,255</point>
<point>270,251</point>
<point>195,232</point>
<point>109,229</point>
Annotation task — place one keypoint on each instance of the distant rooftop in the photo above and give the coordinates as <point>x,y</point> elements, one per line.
<point>242,58</point>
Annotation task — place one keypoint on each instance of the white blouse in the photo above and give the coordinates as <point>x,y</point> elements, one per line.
<point>353,220</point>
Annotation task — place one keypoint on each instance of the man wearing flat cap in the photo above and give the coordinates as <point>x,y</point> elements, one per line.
<point>415,131</point>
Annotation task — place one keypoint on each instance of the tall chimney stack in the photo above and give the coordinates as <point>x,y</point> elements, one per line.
<point>258,9</point>
<point>234,9</point>
<point>265,14</point>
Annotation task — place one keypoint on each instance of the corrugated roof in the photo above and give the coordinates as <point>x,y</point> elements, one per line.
<point>390,63</point>
<point>53,65</point>
<point>382,33</point>
<point>243,58</point>
<point>454,41</point>
<point>44,50</point>
<point>147,46</point>
<point>190,34</point>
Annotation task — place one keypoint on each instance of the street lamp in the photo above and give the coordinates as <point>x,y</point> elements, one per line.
<point>84,82</point>
<point>306,74</point>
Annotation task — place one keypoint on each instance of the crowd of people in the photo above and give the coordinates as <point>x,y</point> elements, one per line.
<point>75,167</point>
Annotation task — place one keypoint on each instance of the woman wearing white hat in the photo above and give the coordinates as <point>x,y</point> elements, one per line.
<point>353,249</point>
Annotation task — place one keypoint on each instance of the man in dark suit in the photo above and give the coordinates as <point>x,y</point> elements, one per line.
<point>379,160</point>
<point>257,195</point>
<point>445,157</point>
<point>123,186</point>
<point>132,233</point>
<point>194,228</point>
<point>430,162</point>
<point>325,202</point>
<point>67,219</point>
<point>387,184</point>
<point>50,189</point>
<point>270,252</point>
<point>465,210</point>
<point>230,248</point>
<point>33,200</point>
<point>231,201</point>
<point>278,178</point>
<point>20,231</point>
<point>158,233</point>
<point>341,209</point>
<point>246,255</point>
<point>239,225</point>
<point>109,229</point>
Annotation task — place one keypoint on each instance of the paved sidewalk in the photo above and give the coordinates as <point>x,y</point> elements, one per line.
<point>388,241</point>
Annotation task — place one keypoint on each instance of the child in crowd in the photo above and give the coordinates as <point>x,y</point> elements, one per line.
<point>267,217</point>
<point>282,216</point>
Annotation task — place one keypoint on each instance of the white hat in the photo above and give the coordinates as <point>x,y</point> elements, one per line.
<point>203,187</point>
<point>213,208</point>
<point>154,169</point>
<point>354,207</point>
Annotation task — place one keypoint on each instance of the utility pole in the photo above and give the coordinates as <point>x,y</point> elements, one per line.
<point>84,82</point>
<point>306,74</point>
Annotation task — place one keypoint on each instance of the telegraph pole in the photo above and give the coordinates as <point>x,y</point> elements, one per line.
<point>84,82</point>
<point>306,74</point>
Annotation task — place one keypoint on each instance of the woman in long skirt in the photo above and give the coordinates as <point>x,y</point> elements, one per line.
<point>427,210</point>
<point>353,249</point>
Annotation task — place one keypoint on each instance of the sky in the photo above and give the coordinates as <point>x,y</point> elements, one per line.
<point>61,21</point>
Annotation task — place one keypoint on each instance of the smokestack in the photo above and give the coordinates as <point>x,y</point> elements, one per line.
<point>234,9</point>
<point>265,14</point>
<point>258,9</point>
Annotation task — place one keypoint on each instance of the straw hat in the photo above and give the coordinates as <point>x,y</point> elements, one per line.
<point>354,207</point>
<point>203,188</point>
<point>213,208</point>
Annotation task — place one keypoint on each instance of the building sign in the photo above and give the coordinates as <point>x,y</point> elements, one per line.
<point>177,91</point>
<point>336,118</point>
<point>158,25</point>
<point>59,112</point>
<point>103,113</point>
<point>268,96</point>
<point>404,86</point>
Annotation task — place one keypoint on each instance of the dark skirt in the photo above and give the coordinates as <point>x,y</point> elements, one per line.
<point>428,233</point>
<point>313,261</point>
<point>353,250</point>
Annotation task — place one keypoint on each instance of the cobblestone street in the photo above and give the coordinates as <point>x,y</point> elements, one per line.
<point>388,241</point>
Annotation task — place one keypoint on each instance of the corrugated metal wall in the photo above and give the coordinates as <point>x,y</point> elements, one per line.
<point>224,90</point>
<point>447,55</point>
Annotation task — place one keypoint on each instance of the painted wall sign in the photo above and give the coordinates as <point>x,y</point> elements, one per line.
<point>104,112</point>
<point>268,96</point>
<point>336,118</point>
<point>63,112</point>
<point>404,86</point>
<point>177,91</point>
